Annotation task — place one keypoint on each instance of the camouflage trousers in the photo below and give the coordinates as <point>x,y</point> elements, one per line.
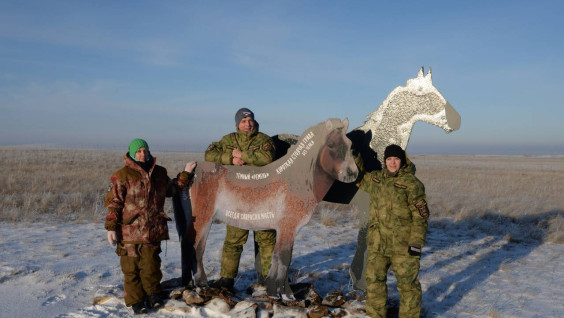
<point>142,273</point>
<point>406,270</point>
<point>233,247</point>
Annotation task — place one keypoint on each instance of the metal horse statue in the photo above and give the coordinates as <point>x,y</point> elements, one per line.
<point>391,123</point>
<point>280,196</point>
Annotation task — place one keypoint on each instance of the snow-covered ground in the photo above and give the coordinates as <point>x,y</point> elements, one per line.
<point>51,270</point>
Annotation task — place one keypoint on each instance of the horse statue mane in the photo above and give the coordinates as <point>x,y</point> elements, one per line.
<point>281,196</point>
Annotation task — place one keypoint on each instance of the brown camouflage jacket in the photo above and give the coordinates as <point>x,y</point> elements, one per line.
<point>398,210</point>
<point>257,148</point>
<point>135,202</point>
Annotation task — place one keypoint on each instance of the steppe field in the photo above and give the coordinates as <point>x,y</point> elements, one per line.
<point>494,247</point>
<point>522,193</point>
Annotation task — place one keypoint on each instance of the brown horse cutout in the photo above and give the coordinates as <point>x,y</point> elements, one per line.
<point>281,195</point>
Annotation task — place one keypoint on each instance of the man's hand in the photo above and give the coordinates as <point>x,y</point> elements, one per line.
<point>183,178</point>
<point>190,166</point>
<point>236,153</point>
<point>238,161</point>
<point>112,238</point>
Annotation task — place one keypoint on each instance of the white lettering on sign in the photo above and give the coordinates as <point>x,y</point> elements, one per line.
<point>249,216</point>
<point>243,176</point>
<point>301,149</point>
<point>248,176</point>
<point>260,176</point>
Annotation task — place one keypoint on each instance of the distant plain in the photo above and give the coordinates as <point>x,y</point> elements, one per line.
<point>521,193</point>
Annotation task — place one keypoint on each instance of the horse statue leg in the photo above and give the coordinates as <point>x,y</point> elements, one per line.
<point>358,268</point>
<point>203,217</point>
<point>276,282</point>
<point>200,246</point>
<point>185,228</point>
<point>258,263</point>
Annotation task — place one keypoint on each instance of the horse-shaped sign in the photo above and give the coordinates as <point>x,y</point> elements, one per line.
<point>280,196</point>
<point>391,123</point>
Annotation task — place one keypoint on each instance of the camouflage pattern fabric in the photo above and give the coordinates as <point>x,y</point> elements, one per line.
<point>235,238</point>
<point>135,202</point>
<point>406,269</point>
<point>398,219</point>
<point>142,274</point>
<point>257,150</point>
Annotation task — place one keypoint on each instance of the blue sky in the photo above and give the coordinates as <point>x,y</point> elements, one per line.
<point>96,74</point>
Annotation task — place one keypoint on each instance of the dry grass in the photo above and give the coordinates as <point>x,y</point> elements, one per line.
<point>45,184</point>
<point>332,214</point>
<point>460,186</point>
<point>523,193</point>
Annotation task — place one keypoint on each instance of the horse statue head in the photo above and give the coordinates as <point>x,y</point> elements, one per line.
<point>419,100</point>
<point>335,157</point>
<point>334,160</point>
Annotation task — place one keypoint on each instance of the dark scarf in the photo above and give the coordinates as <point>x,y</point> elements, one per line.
<point>145,165</point>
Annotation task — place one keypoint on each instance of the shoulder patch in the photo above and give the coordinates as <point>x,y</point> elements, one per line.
<point>375,179</point>
<point>421,206</point>
<point>110,187</point>
<point>401,186</point>
<point>267,146</point>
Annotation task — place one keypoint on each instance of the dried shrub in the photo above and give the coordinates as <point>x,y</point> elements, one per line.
<point>64,184</point>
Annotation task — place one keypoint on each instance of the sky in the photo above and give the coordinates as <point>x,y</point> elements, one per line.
<point>96,74</point>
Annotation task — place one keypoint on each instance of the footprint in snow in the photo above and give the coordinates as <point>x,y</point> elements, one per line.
<point>53,300</point>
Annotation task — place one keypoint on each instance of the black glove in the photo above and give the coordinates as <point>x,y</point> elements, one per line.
<point>414,250</point>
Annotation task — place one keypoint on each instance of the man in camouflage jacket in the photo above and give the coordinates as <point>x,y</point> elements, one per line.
<point>136,222</point>
<point>246,146</point>
<point>396,233</point>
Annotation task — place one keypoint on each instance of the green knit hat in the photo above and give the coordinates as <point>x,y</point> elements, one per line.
<point>135,145</point>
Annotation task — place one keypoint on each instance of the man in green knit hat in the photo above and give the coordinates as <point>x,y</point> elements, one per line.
<point>246,146</point>
<point>136,222</point>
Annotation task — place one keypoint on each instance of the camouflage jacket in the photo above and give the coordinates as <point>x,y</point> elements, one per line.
<point>135,202</point>
<point>398,210</point>
<point>257,148</point>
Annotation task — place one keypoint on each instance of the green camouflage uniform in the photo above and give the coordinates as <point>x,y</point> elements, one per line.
<point>398,219</point>
<point>135,202</point>
<point>257,150</point>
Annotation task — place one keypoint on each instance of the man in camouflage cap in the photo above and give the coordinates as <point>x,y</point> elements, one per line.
<point>246,146</point>
<point>396,233</point>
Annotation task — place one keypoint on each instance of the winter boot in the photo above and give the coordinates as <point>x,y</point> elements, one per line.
<point>155,301</point>
<point>139,308</point>
<point>223,282</point>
